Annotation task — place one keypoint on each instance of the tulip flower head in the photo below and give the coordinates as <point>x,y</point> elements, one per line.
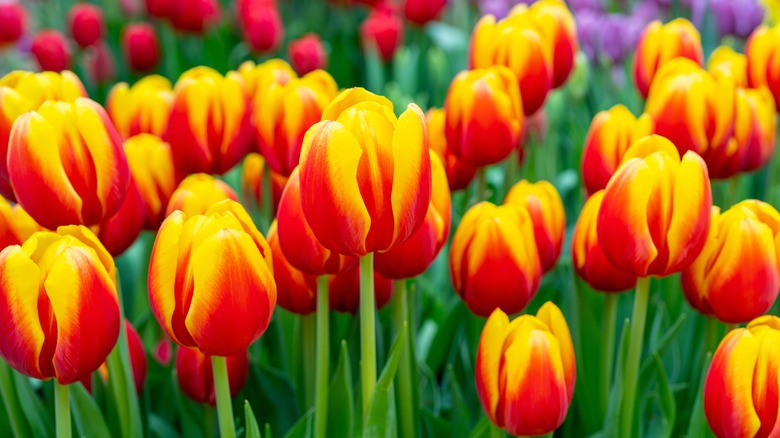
<point>261,24</point>
<point>296,291</point>
<point>194,16</point>
<point>51,50</point>
<point>727,61</point>
<point>763,62</point>
<point>142,108</point>
<point>459,172</point>
<point>119,231</point>
<point>382,32</point>
<point>196,375</point>
<point>755,127</point>
<point>141,47</point>
<point>151,166</point>
<point>556,24</point>
<point>265,75</point>
<point>421,12</point>
<point>307,54</point>
<point>86,23</point>
<point>197,193</point>
<point>13,22</point>
<point>15,224</point>
<point>525,371</point>
<point>252,182</point>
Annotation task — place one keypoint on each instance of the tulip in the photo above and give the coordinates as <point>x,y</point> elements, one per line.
<point>151,166</point>
<point>197,193</point>
<point>120,230</point>
<point>413,257</point>
<point>142,108</point>
<point>160,8</point>
<point>382,32</point>
<point>141,47</point>
<point>209,126</point>
<point>194,15</point>
<point>611,133</point>
<point>13,22</point>
<point>196,377</point>
<point>493,259</point>
<point>484,115</point>
<point>755,127</point>
<point>100,64</point>
<point>86,24</point>
<point>163,352</point>
<point>525,371</point>
<point>556,24</point>
<point>66,164</point>
<point>659,44</point>
<point>588,258</point>
<point>265,75</point>
<point>58,305</point>
<point>283,114</point>
<point>344,291</point>
<point>307,54</point>
<point>296,291</point>
<point>515,42</point>
<point>763,63</point>
<point>51,50</point>
<point>137,361</point>
<point>729,62</point>
<point>459,172</point>
<point>741,387</point>
<point>736,277</point>
<point>15,224</point>
<point>421,12</point>
<point>252,183</point>
<point>545,208</point>
<point>261,25</point>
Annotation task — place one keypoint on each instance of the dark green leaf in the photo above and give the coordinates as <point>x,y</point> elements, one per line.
<point>303,428</point>
<point>341,398</point>
<point>460,412</point>
<point>612,419</point>
<point>252,429</point>
<point>37,416</point>
<point>381,415</point>
<point>86,413</point>
<point>665,427</point>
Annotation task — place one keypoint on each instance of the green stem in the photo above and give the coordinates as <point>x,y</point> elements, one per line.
<point>224,403</point>
<point>635,352</point>
<point>367,332</point>
<point>481,185</point>
<point>323,359</point>
<point>730,327</point>
<point>62,410</point>
<point>710,334</point>
<point>208,421</point>
<point>12,408</point>
<point>608,347</point>
<point>308,329</point>
<point>496,432</point>
<point>267,203</point>
<point>406,396</point>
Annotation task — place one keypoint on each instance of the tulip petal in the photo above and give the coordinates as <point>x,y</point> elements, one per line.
<point>489,361</point>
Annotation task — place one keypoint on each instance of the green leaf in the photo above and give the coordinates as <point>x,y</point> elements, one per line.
<point>381,420</point>
<point>304,427</point>
<point>696,427</point>
<point>460,411</point>
<point>252,429</point>
<point>86,413</point>
<point>38,417</point>
<point>434,425</point>
<point>442,341</point>
<point>13,410</point>
<point>666,401</point>
<point>341,398</point>
<point>268,431</point>
<point>612,419</point>
<point>160,428</point>
<point>482,429</point>
<point>647,368</point>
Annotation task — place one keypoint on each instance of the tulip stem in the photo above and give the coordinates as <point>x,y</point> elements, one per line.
<point>496,432</point>
<point>481,185</point>
<point>62,410</point>
<point>608,347</point>
<point>367,332</point>
<point>406,396</point>
<point>308,335</point>
<point>635,352</point>
<point>323,359</point>
<point>224,403</point>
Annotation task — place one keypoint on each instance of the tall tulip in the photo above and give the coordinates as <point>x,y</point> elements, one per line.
<point>763,63</point>
<point>142,108</point>
<point>195,374</point>
<point>459,172</point>
<point>197,193</point>
<point>194,16</point>
<point>151,166</point>
<point>556,23</point>
<point>545,207</point>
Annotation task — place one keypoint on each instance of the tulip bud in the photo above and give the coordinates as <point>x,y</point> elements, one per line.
<point>265,75</point>
<point>151,166</point>
<point>296,291</point>
<point>283,114</point>
<point>100,63</point>
<point>261,25</point>
<point>459,172</point>
<point>741,387</point>
<point>611,133</point>
<point>737,276</point>
<point>197,193</point>
<point>58,304</point>
<point>484,115</point>
<point>729,62</point>
<point>493,259</point>
<point>525,371</point>
<point>211,282</point>
<point>413,257</point>
<point>66,164</point>
<point>762,54</point>
<point>421,12</point>
<point>15,224</point>
<point>365,174</point>
<point>557,26</point>
<point>545,208</point>
<point>209,126</point>
<point>755,127</point>
<point>655,214</point>
<point>252,182</point>
<point>307,54</point>
<point>163,352</point>
<point>196,375</point>
<point>142,108</point>
<point>382,31</point>
<point>86,24</point>
<point>51,50</point>
<point>160,8</point>
<point>13,22</point>
<point>194,15</point>
<point>120,230</point>
<point>344,291</point>
<point>141,47</point>
<point>137,361</point>
<point>589,259</point>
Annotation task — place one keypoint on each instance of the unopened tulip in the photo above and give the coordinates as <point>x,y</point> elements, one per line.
<point>659,44</point>
<point>421,12</point>
<point>344,291</point>
<point>137,361</point>
<point>755,127</point>
<point>763,62</point>
<point>261,25</point>
<point>307,54</point>
<point>610,135</point>
<point>413,257</point>
<point>283,114</point>
<point>252,182</point>
<point>196,375</point>
<point>727,61</point>
<point>194,15</point>
<point>211,283</point>
<point>525,371</point>
<point>209,126</point>
<point>142,108</point>
<point>545,207</point>
<point>58,305</point>
<point>493,259</point>
<point>295,290</point>
<point>51,50</point>
<point>151,166</point>
<point>197,193</point>
<point>736,277</point>
<point>141,47</point>
<point>588,258</point>
<point>13,22</point>
<point>655,214</point>
<point>382,32</point>
<point>160,8</point>
<point>100,63</point>
<point>265,75</point>
<point>120,230</point>
<point>66,164</point>
<point>484,115</point>
<point>459,172</point>
<point>15,224</point>
<point>365,174</point>
<point>86,24</point>
<point>741,391</point>
<point>556,23</point>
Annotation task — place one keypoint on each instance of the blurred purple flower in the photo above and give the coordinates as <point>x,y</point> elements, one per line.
<point>612,37</point>
<point>732,17</point>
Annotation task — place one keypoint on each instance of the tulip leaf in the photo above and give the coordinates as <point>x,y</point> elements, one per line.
<point>442,340</point>
<point>158,427</point>
<point>434,425</point>
<point>304,427</point>
<point>37,415</point>
<point>268,431</point>
<point>482,429</point>
<point>647,369</point>
<point>612,419</point>
<point>252,429</point>
<point>460,411</point>
<point>381,421</point>
<point>341,397</point>
<point>13,409</point>
<point>86,413</point>
<point>696,427</point>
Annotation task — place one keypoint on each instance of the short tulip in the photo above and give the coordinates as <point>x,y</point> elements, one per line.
<point>421,12</point>
<point>142,108</point>
<point>545,207</point>
<point>211,283</point>
<point>141,47</point>
<point>209,127</point>
<point>196,375</point>
<point>295,291</point>
<point>51,50</point>
<point>197,193</point>
<point>763,62</point>
<point>525,371</point>
<point>556,23</point>
<point>86,24</point>
<point>66,164</point>
<point>100,64</point>
<point>382,32</point>
<point>137,361</point>
<point>655,214</point>
<point>493,259</point>
<point>307,54</point>
<point>252,182</point>
<point>265,75</point>
<point>459,172</point>
<point>365,174</point>
<point>15,224</point>
<point>484,115</point>
<point>13,22</point>
<point>58,305</point>
<point>151,166</point>
<point>741,392</point>
<point>737,275</point>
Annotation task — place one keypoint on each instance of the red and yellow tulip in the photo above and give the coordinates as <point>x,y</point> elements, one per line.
<point>727,61</point>
<point>295,291</point>
<point>763,62</point>
<point>15,224</point>
<point>252,182</point>
<point>151,166</point>
<point>545,208</point>
<point>755,127</point>
<point>142,108</point>
<point>557,26</point>
<point>120,230</point>
<point>197,193</point>
<point>459,172</point>
<point>258,77</point>
<point>196,375</point>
